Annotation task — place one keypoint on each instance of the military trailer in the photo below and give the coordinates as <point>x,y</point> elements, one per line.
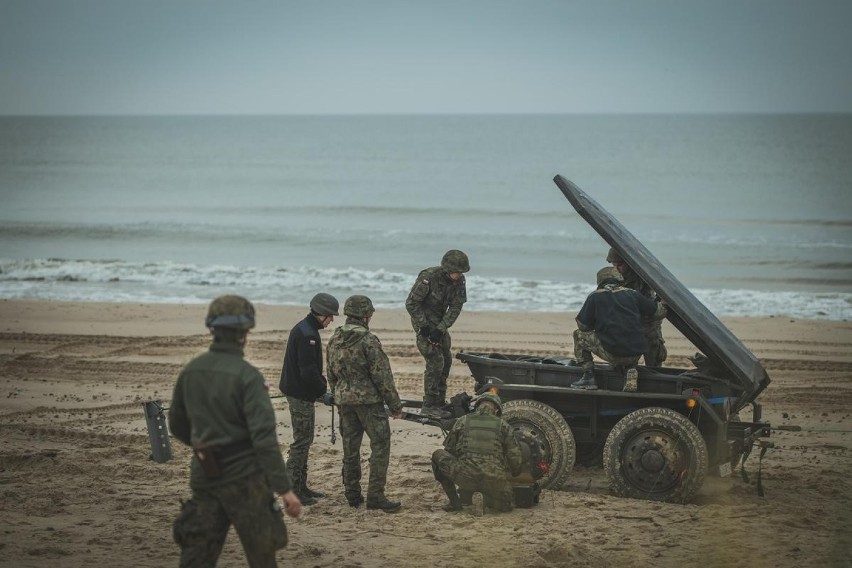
<point>660,442</point>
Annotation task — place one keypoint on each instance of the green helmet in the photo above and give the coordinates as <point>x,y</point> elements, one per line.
<point>230,311</point>
<point>358,306</point>
<point>613,256</point>
<point>609,273</point>
<point>455,261</point>
<point>325,305</point>
<point>489,397</point>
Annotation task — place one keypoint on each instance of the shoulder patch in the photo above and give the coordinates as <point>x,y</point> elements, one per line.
<point>425,281</point>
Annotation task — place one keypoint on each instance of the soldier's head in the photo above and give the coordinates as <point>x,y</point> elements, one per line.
<point>360,307</point>
<point>229,318</point>
<point>324,307</point>
<point>609,275</point>
<point>455,263</point>
<point>615,259</point>
<point>488,402</point>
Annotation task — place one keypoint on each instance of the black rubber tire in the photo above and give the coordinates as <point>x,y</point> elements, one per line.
<point>655,454</point>
<point>536,420</point>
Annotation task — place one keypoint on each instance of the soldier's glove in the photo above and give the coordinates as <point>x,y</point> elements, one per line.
<point>425,332</point>
<point>328,399</point>
<point>435,336</point>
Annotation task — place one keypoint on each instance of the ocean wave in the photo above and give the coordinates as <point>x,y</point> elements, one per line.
<point>171,282</point>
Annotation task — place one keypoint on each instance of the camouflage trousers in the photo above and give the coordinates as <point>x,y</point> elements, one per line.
<point>495,488</point>
<point>439,359</point>
<point>302,418</point>
<point>587,342</point>
<point>248,504</point>
<point>657,352</point>
<point>355,420</point>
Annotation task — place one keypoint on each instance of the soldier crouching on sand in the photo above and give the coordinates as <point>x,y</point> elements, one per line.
<point>480,456</point>
<point>221,408</point>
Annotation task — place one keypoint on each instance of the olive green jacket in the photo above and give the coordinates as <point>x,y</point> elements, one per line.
<point>435,300</point>
<point>222,401</point>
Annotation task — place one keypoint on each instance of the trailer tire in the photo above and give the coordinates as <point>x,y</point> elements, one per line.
<point>534,419</point>
<point>655,454</point>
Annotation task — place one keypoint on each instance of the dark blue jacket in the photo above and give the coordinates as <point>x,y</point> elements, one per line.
<point>301,375</point>
<point>616,314</point>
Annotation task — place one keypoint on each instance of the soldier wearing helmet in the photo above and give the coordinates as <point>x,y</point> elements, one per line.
<point>221,408</point>
<point>434,304</point>
<point>609,325</point>
<point>657,352</point>
<point>303,382</point>
<point>361,380</point>
<point>480,456</point>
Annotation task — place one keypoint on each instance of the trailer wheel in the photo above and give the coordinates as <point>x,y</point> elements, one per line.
<point>655,454</point>
<point>537,421</point>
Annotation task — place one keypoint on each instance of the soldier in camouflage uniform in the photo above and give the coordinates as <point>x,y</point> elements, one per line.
<point>480,455</point>
<point>361,380</point>
<point>434,304</point>
<point>221,408</point>
<point>657,352</point>
<point>610,325</point>
<point>303,383</point>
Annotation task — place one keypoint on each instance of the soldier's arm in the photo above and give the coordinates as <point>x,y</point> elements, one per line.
<point>381,374</point>
<point>586,315</point>
<point>309,365</point>
<point>650,309</point>
<point>457,299</point>
<point>414,302</point>
<point>452,440</point>
<point>514,456</point>
<point>260,420</point>
<point>179,424</point>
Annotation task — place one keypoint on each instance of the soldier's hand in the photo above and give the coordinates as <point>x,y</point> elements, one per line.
<point>435,336</point>
<point>425,332</point>
<point>292,505</point>
<point>396,415</point>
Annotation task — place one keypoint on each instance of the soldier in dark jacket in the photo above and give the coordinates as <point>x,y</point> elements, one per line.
<point>434,304</point>
<point>303,383</point>
<point>361,380</point>
<point>221,408</point>
<point>652,328</point>
<point>610,325</point>
<point>480,455</point>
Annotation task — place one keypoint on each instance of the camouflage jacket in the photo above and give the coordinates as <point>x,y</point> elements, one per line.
<point>221,401</point>
<point>632,281</point>
<point>485,442</point>
<point>358,369</point>
<point>435,300</point>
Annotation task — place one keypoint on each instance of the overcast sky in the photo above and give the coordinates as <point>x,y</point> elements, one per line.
<point>424,56</point>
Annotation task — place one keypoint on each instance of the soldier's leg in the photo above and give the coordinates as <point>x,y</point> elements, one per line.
<point>200,530</point>
<point>375,420</point>
<point>447,356</point>
<point>257,518</point>
<point>303,422</point>
<point>582,348</point>
<point>442,461</point>
<point>351,435</point>
<point>499,495</point>
<point>657,352</point>
<point>434,367</point>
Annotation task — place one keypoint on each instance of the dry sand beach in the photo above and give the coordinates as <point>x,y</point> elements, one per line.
<point>79,490</point>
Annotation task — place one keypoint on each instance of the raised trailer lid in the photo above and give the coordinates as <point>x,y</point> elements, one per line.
<point>685,311</point>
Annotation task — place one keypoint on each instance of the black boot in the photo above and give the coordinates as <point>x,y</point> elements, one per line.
<point>385,505</point>
<point>587,381</point>
<point>307,490</point>
<point>450,489</point>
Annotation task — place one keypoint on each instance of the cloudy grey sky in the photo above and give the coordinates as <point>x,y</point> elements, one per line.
<point>424,56</point>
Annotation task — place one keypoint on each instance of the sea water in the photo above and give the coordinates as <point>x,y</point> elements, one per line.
<point>752,212</point>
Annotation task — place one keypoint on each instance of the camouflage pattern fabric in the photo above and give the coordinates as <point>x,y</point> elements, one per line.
<point>361,379</point>
<point>249,505</point>
<point>481,453</point>
<point>435,301</point>
<point>358,369</point>
<point>355,421</point>
<point>302,417</point>
<point>439,360</point>
<point>587,342</point>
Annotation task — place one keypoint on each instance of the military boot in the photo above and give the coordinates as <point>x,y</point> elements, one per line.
<point>478,504</point>
<point>631,380</point>
<point>305,490</point>
<point>587,381</point>
<point>385,505</point>
<point>450,489</point>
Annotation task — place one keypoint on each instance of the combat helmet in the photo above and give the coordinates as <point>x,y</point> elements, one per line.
<point>613,256</point>
<point>489,397</point>
<point>358,306</point>
<point>455,261</point>
<point>609,273</point>
<point>230,311</point>
<point>325,305</point>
